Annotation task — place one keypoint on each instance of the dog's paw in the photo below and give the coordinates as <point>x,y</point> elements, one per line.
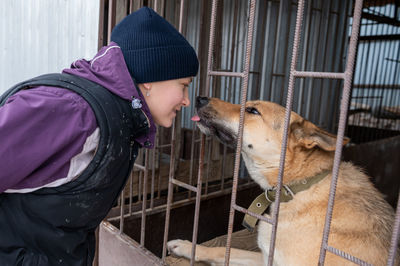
<point>178,247</point>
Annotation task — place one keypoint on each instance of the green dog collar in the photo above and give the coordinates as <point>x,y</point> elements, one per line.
<point>264,200</point>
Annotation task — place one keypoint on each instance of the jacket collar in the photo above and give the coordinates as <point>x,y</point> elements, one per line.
<point>108,68</point>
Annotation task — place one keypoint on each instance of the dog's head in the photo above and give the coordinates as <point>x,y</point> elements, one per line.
<point>262,138</point>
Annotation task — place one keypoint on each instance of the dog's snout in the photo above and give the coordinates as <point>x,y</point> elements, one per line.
<point>201,101</point>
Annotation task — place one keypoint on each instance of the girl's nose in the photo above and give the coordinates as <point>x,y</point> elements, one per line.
<point>186,101</point>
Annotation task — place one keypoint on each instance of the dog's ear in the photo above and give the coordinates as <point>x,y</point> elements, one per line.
<point>308,135</point>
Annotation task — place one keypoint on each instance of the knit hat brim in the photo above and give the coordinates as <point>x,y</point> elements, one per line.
<point>161,63</point>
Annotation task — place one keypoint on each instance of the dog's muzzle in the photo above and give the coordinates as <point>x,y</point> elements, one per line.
<point>209,123</point>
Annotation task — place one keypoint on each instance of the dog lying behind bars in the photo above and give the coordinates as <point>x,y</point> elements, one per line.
<point>362,220</point>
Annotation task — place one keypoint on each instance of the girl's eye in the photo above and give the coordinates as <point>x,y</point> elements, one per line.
<point>252,110</point>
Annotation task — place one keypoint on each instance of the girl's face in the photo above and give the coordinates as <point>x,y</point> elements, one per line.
<point>165,98</point>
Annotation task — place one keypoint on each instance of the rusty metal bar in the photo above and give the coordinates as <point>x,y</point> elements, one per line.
<point>100,40</point>
<point>321,75</point>
<point>395,237</point>
<point>170,190</point>
<point>289,104</point>
<point>140,194</point>
<point>159,142</point>
<point>135,5</point>
<point>246,211</point>
<point>112,6</point>
<point>182,8</point>
<point>342,124</point>
<point>174,181</point>
<point>184,185</point>
<point>140,167</point>
<point>153,173</point>
<point>145,175</point>
<point>192,144</point>
<point>163,146</point>
<point>243,99</point>
<point>208,165</point>
<point>347,256</point>
<point>226,73</point>
<point>202,148</point>
<point>305,54</point>
<point>223,168</point>
<point>121,217</point>
<point>202,139</point>
<point>130,192</point>
<point>197,206</point>
<point>137,213</point>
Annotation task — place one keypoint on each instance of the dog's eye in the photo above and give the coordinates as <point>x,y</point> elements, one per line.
<point>252,110</point>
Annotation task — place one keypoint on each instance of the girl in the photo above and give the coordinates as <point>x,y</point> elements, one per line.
<point>69,142</point>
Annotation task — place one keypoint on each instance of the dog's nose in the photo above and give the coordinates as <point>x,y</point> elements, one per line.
<point>201,101</point>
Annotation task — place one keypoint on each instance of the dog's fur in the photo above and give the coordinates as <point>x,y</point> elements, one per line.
<point>362,220</point>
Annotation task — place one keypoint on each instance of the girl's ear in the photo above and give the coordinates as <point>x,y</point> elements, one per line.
<point>147,86</point>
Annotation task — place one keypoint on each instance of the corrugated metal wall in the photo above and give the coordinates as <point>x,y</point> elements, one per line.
<point>378,60</point>
<point>43,36</point>
<point>375,102</point>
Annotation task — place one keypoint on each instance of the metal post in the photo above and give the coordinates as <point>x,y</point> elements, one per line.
<point>289,103</point>
<point>240,133</point>
<point>342,124</point>
<point>144,202</point>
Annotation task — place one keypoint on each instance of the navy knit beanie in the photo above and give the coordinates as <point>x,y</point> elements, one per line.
<point>153,49</point>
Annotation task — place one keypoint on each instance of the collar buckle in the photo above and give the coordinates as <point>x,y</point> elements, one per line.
<point>288,191</point>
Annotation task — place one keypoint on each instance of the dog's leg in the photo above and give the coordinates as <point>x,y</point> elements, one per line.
<point>215,255</point>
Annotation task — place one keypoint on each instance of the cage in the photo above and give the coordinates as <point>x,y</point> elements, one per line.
<point>183,188</point>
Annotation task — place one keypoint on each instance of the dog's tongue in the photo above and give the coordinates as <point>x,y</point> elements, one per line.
<point>196,118</point>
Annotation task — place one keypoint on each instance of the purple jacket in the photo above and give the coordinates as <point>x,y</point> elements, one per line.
<point>43,128</point>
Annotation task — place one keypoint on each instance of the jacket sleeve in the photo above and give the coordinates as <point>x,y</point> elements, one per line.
<point>41,129</point>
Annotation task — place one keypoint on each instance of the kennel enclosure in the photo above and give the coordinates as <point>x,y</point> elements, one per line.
<point>245,52</point>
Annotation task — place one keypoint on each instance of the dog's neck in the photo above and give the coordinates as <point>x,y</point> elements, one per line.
<point>287,193</point>
<point>307,163</point>
<point>298,165</point>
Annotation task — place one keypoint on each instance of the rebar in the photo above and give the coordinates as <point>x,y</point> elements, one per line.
<point>121,218</point>
<point>243,99</point>
<point>289,104</point>
<point>144,203</point>
<point>184,185</point>
<point>342,124</point>
<point>258,216</point>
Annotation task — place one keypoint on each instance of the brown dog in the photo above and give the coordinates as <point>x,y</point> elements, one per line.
<point>362,220</point>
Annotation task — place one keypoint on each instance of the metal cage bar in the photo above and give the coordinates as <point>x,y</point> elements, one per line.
<point>289,103</point>
<point>144,199</point>
<point>172,181</point>
<point>240,133</point>
<point>342,125</point>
